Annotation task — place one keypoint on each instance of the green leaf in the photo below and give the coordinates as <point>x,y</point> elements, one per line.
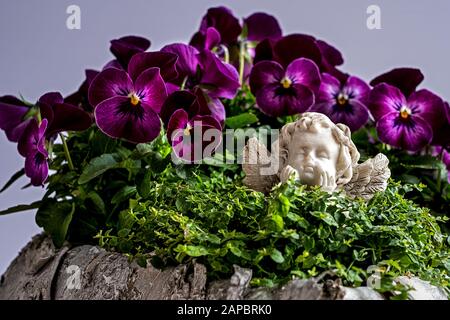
<point>123,194</point>
<point>143,185</point>
<point>241,120</point>
<point>13,179</point>
<point>277,256</point>
<point>21,207</point>
<point>55,218</point>
<point>97,166</point>
<point>193,251</point>
<point>326,217</point>
<point>97,201</point>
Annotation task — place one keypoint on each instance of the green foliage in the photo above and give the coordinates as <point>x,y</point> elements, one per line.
<point>209,216</point>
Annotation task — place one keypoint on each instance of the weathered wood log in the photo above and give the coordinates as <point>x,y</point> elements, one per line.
<point>41,271</point>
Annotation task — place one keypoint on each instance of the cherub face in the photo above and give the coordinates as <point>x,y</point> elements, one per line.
<point>314,155</point>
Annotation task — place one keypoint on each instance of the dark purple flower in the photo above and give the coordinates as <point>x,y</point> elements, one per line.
<point>405,122</point>
<point>284,91</point>
<point>406,79</point>
<point>262,26</point>
<point>62,116</point>
<point>223,20</point>
<point>194,103</point>
<point>204,69</point>
<point>126,47</point>
<point>343,103</point>
<point>32,146</point>
<point>193,138</point>
<point>127,107</point>
<point>441,136</point>
<point>207,40</point>
<point>12,113</point>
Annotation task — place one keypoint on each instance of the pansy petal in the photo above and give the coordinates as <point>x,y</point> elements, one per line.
<point>36,168</point>
<point>210,106</point>
<point>295,46</point>
<point>124,48</point>
<point>412,135</point>
<point>224,21</point>
<point>212,38</point>
<point>187,62</point>
<point>406,79</point>
<point>151,88</point>
<point>263,73</point>
<point>68,117</point>
<point>165,61</point>
<point>304,71</point>
<point>275,103</point>
<point>428,106</point>
<point>32,137</point>
<point>117,118</point>
<point>330,53</point>
<point>15,133</point>
<point>329,89</point>
<point>179,100</point>
<point>219,78</point>
<point>384,99</point>
<point>262,26</point>
<point>113,64</point>
<point>12,111</point>
<point>442,136</point>
<point>264,51</point>
<point>109,83</point>
<point>178,121</point>
<point>354,114</point>
<point>357,88</point>
<point>51,98</point>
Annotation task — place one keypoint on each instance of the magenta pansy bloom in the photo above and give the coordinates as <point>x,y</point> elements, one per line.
<point>194,103</point>
<point>204,69</point>
<point>32,146</point>
<point>262,26</point>
<point>284,91</point>
<point>405,122</point>
<point>343,102</point>
<point>12,113</point>
<point>62,116</point>
<point>125,48</point>
<point>406,79</point>
<point>190,137</point>
<point>127,108</point>
<point>441,136</point>
<point>80,97</point>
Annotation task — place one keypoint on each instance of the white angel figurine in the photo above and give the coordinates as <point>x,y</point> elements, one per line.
<point>316,152</point>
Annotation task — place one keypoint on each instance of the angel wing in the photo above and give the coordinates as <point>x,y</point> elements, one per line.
<point>256,163</point>
<point>369,177</point>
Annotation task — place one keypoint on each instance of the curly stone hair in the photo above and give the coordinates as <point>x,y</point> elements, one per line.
<point>312,121</point>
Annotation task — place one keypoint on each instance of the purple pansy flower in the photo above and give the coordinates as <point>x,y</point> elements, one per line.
<point>127,106</point>
<point>284,91</point>
<point>125,48</point>
<point>294,46</point>
<point>32,146</point>
<point>12,113</point>
<point>406,79</point>
<point>194,103</point>
<point>260,26</point>
<point>343,102</point>
<point>405,122</point>
<point>204,69</point>
<point>190,137</point>
<point>62,116</point>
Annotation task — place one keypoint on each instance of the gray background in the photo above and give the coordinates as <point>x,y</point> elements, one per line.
<point>39,54</point>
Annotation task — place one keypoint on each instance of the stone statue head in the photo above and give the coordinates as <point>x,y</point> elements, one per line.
<point>316,151</point>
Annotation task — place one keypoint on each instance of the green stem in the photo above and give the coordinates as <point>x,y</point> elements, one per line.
<point>183,84</point>
<point>241,62</point>
<point>66,152</point>
<point>226,53</point>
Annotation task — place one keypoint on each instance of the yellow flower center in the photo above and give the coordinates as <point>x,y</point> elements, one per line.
<point>405,112</point>
<point>342,99</point>
<point>286,83</point>
<point>187,130</point>
<point>134,99</point>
